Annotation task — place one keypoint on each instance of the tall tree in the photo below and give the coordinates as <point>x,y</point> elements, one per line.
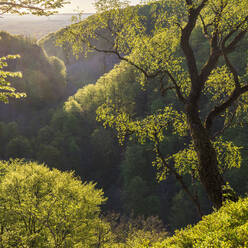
<point>161,47</point>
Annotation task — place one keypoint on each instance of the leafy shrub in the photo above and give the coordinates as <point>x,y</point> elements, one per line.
<point>226,228</point>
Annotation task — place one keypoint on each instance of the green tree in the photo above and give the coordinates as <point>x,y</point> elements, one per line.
<point>224,228</point>
<point>167,52</point>
<point>140,190</point>
<point>42,207</point>
<point>19,147</point>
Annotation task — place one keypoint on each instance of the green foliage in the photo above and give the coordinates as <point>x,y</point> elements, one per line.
<point>6,90</point>
<point>74,136</point>
<point>48,44</point>
<point>140,190</point>
<point>219,86</point>
<point>73,139</point>
<point>82,32</point>
<point>118,85</point>
<point>19,147</point>
<point>225,228</point>
<point>34,7</point>
<point>41,207</point>
<point>49,154</point>
<point>154,49</point>
<point>177,216</point>
<point>150,128</point>
<point>139,198</point>
<point>162,54</point>
<point>228,156</point>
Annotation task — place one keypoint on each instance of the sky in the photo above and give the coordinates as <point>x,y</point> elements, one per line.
<point>85,5</point>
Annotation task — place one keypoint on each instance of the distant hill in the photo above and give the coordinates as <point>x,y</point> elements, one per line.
<point>35,26</point>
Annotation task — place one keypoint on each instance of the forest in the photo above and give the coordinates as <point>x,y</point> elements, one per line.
<point>126,129</point>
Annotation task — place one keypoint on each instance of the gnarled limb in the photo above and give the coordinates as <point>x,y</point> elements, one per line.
<point>217,110</point>
<point>194,198</point>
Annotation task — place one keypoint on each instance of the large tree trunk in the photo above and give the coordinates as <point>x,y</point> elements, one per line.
<point>210,176</point>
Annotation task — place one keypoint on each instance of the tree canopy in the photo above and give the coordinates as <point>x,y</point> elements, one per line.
<point>210,92</point>
<point>42,207</point>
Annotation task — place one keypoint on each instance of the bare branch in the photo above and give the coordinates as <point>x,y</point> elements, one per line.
<point>6,7</point>
<point>178,90</point>
<point>25,6</point>
<point>147,75</point>
<point>232,69</point>
<point>6,10</point>
<point>205,28</point>
<point>212,61</point>
<point>217,110</point>
<point>164,90</point>
<point>228,124</point>
<point>233,31</point>
<point>238,91</point>
<point>234,42</point>
<point>42,7</point>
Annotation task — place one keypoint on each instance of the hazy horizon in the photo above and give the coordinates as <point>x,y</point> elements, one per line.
<point>36,26</point>
<point>86,6</point>
<point>39,26</point>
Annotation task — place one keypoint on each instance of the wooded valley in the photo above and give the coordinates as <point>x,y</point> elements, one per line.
<point>128,126</point>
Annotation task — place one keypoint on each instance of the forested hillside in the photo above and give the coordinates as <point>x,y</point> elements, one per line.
<point>126,112</point>
<point>43,79</point>
<point>147,100</point>
<point>44,82</point>
<point>81,70</point>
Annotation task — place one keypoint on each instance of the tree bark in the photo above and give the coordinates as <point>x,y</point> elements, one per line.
<point>209,174</point>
